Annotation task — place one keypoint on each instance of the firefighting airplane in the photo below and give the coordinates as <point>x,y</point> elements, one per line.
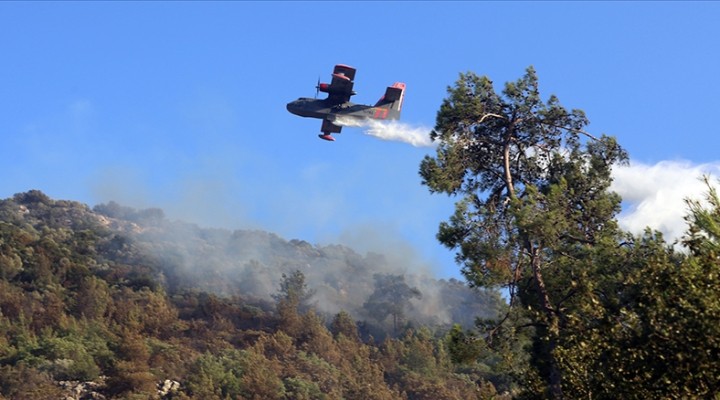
<point>337,105</point>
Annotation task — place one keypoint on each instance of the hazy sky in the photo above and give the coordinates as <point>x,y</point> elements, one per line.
<point>181,105</point>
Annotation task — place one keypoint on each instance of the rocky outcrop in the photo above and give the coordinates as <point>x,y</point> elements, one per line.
<point>167,387</point>
<point>83,390</point>
<point>75,390</point>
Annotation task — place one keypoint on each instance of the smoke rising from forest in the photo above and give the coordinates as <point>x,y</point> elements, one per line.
<point>251,264</point>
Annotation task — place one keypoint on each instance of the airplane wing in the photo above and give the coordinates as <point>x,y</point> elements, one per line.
<point>345,70</point>
<point>329,127</point>
<point>340,88</point>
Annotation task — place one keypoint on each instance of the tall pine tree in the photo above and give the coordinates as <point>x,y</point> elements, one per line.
<point>534,204</point>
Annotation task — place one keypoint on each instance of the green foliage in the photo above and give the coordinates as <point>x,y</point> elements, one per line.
<point>216,377</point>
<point>143,311</point>
<point>263,381</point>
<point>301,389</point>
<point>703,237</point>
<point>420,356</point>
<point>608,315</point>
<point>535,204</point>
<point>420,364</point>
<point>294,291</point>
<point>93,298</point>
<point>464,348</point>
<point>26,383</point>
<point>291,301</point>
<point>82,299</point>
<point>343,324</point>
<point>390,299</point>
<point>497,148</point>
<point>661,340</point>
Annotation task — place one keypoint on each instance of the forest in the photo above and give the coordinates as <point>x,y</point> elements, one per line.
<point>559,302</point>
<point>113,302</point>
<point>608,313</point>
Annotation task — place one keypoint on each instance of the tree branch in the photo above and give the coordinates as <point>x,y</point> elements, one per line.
<point>490,115</point>
<point>570,129</point>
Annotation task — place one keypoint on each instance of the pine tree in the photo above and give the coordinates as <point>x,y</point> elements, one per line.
<point>534,203</point>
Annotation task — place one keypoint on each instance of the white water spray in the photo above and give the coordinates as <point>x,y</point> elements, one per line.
<point>394,131</point>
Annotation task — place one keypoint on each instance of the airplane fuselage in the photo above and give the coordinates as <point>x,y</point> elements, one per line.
<point>323,109</point>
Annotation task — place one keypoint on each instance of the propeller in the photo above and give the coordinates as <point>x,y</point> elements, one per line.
<point>317,88</point>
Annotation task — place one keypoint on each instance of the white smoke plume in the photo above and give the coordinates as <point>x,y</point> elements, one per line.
<point>393,131</point>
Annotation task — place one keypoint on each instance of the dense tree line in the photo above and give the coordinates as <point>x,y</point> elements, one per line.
<point>84,300</point>
<point>603,313</point>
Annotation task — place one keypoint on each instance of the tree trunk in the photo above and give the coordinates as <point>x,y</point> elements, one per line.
<point>554,375</point>
<point>506,166</point>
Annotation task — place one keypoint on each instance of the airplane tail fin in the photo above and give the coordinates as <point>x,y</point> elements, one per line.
<point>393,100</point>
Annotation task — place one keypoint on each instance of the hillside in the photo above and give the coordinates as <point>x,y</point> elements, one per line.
<point>251,263</point>
<point>140,306</point>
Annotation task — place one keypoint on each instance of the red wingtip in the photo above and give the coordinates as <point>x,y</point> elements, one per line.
<point>327,137</point>
<point>341,76</point>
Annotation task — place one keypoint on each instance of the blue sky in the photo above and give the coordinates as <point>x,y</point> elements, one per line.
<point>181,105</point>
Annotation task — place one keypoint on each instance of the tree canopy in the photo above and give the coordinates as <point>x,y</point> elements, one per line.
<point>535,215</point>
<point>93,304</point>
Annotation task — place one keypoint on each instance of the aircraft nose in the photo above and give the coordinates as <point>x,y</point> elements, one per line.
<point>291,106</point>
<point>295,107</point>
